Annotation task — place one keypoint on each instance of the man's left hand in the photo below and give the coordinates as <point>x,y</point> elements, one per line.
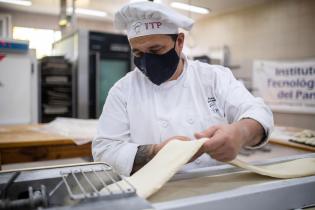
<point>225,141</point>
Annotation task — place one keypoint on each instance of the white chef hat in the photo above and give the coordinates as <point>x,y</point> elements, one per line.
<point>146,18</point>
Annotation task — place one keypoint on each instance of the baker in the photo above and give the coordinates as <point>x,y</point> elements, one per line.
<point>167,97</point>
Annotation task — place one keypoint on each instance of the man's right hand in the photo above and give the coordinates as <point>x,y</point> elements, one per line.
<point>158,147</point>
<point>146,152</point>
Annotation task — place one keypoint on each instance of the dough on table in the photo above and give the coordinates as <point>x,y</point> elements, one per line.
<point>305,134</point>
<point>151,177</point>
<point>290,169</point>
<point>305,137</point>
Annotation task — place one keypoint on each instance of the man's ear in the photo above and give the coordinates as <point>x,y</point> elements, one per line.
<point>180,41</point>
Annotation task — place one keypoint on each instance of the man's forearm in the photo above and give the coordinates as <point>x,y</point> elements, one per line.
<point>144,154</point>
<point>252,131</point>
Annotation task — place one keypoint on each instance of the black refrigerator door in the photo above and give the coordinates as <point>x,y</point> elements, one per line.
<point>93,66</point>
<point>107,71</point>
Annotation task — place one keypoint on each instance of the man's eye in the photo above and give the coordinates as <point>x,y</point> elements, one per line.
<point>138,54</point>
<point>155,51</point>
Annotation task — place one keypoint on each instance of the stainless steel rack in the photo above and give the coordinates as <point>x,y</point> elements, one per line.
<point>89,183</point>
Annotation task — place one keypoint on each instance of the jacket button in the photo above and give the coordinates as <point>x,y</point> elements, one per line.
<point>190,121</point>
<point>164,123</point>
<point>198,161</point>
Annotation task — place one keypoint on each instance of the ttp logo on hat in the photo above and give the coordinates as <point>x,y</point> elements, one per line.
<point>139,26</point>
<point>147,18</point>
<point>153,25</point>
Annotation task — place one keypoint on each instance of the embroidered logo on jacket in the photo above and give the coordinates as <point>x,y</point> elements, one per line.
<point>212,104</point>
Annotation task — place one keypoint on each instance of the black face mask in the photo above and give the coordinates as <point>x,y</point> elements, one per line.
<point>158,68</point>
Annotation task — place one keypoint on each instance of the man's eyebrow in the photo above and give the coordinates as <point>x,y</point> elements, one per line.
<point>151,47</point>
<point>156,46</point>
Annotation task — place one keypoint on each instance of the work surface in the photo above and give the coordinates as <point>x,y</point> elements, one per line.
<point>206,185</point>
<point>21,144</point>
<point>25,135</point>
<point>229,189</point>
<point>24,144</point>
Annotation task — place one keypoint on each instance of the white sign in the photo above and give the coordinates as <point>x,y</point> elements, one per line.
<point>286,86</point>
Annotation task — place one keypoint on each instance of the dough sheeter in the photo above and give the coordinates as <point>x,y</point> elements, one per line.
<point>219,187</point>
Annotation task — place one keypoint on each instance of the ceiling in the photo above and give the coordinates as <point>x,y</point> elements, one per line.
<point>110,6</point>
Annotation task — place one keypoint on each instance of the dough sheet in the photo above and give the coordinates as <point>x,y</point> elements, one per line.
<point>151,177</point>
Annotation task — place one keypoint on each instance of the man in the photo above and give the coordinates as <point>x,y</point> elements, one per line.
<point>170,97</point>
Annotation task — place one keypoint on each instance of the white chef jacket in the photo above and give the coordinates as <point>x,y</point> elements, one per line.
<point>138,112</point>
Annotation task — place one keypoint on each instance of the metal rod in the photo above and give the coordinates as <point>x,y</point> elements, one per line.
<point>103,183</point>
<point>67,186</point>
<point>79,184</point>
<point>90,183</point>
<point>55,188</point>
<point>115,182</point>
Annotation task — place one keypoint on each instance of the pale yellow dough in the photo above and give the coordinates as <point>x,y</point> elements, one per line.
<point>176,153</point>
<point>151,177</point>
<point>290,169</point>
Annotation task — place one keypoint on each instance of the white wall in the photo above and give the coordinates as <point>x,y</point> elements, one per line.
<point>281,29</point>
